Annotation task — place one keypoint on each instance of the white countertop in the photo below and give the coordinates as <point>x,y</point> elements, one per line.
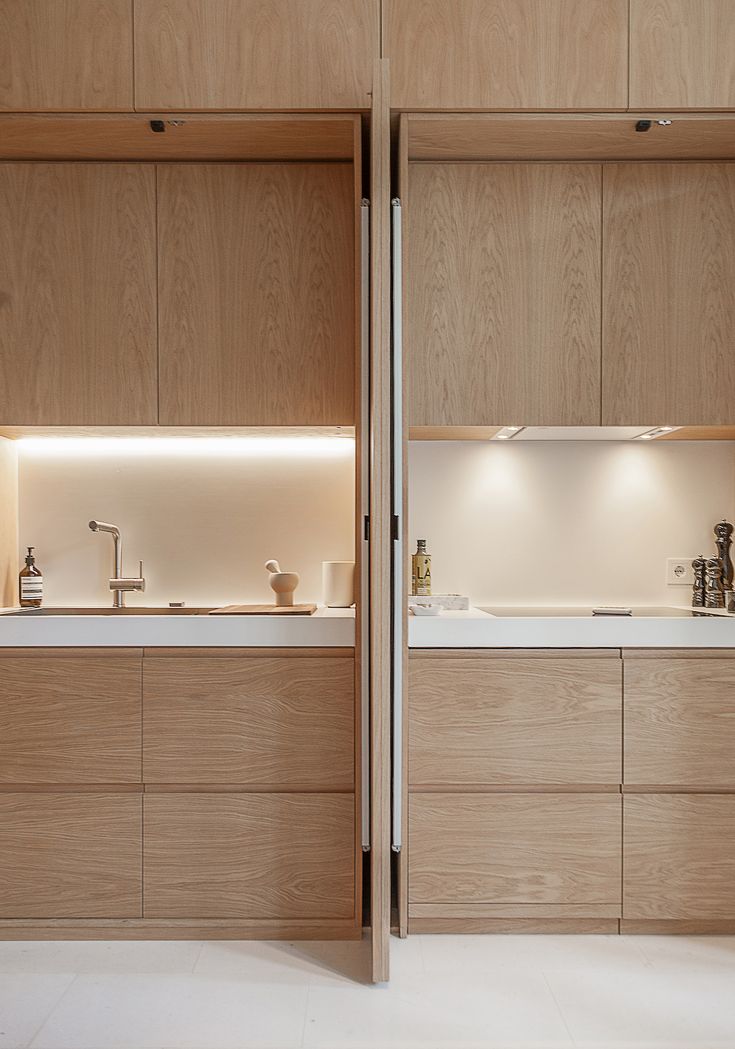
<point>477,629</point>
<point>326,628</point>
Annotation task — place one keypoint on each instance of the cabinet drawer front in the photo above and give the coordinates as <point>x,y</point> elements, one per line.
<point>679,856</point>
<point>505,721</point>
<point>680,722</point>
<point>70,720</point>
<point>514,848</point>
<point>260,856</point>
<point>283,723</point>
<point>70,856</point>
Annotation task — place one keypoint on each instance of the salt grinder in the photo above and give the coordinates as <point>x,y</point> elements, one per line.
<point>714,596</point>
<point>723,537</point>
<point>698,589</point>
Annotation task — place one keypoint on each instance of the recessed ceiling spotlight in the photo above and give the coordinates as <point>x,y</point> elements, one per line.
<point>508,432</point>
<point>657,431</point>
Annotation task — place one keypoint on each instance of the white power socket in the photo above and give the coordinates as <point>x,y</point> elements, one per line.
<point>679,571</point>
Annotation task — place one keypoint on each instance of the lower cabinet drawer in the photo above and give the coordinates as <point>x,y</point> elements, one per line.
<point>679,857</point>
<point>70,855</point>
<point>250,856</point>
<point>515,849</point>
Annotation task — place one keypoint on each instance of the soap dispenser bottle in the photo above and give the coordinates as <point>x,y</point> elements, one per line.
<point>421,570</point>
<point>30,583</point>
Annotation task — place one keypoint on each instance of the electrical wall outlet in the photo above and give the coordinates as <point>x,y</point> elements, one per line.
<point>679,571</point>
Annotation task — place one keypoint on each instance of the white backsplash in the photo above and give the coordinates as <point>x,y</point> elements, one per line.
<point>566,523</point>
<point>203,525</point>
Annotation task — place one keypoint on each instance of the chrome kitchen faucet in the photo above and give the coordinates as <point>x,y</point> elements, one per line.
<point>119,584</point>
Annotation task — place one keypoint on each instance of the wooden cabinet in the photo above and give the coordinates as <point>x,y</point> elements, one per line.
<point>497,721</point>
<point>77,294</point>
<point>529,851</point>
<point>70,720</point>
<point>250,856</point>
<point>284,722</point>
<point>255,54</point>
<point>70,855</point>
<point>502,301</point>
<point>679,857</point>
<point>680,721</point>
<point>257,294</point>
<point>507,54</point>
<point>668,294</point>
<point>682,54</point>
<point>66,55</point>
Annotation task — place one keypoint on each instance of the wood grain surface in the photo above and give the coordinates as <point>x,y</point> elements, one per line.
<point>507,54</point>
<point>502,294</point>
<point>680,722</point>
<point>70,855</point>
<point>515,848</point>
<point>515,721</point>
<point>679,857</point>
<point>73,721</point>
<point>682,54</point>
<point>66,55</point>
<point>283,722</point>
<point>668,294</point>
<point>267,856</point>
<point>256,286</point>
<point>77,294</point>
<point>255,54</point>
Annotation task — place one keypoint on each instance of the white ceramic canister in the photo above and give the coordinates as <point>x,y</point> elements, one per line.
<point>338,583</point>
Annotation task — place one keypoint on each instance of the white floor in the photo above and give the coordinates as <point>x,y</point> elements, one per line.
<point>445,992</point>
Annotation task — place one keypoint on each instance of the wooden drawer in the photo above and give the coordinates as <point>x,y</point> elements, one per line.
<point>523,721</point>
<point>679,857</point>
<point>70,719</point>
<point>680,722</point>
<point>533,849</point>
<point>253,856</point>
<point>277,722</point>
<point>70,855</point>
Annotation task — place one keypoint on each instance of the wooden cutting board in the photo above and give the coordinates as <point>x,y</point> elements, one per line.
<point>264,610</point>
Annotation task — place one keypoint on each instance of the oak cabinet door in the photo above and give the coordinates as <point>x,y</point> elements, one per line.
<point>287,724</point>
<point>679,857</point>
<point>682,54</point>
<point>77,294</point>
<point>255,54</point>
<point>507,54</point>
<point>66,55</point>
<point>668,295</point>
<point>73,855</point>
<point>256,294</point>
<point>498,722</point>
<point>251,856</point>
<point>514,849</point>
<point>70,720</point>
<point>680,722</point>
<point>502,294</point>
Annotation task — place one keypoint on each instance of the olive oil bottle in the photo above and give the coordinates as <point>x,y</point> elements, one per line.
<point>30,583</point>
<point>421,571</point>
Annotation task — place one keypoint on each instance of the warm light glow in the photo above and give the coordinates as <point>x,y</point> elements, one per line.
<point>187,447</point>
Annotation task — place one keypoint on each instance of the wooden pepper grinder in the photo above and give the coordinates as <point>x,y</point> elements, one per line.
<point>723,536</point>
<point>698,588</point>
<point>714,596</point>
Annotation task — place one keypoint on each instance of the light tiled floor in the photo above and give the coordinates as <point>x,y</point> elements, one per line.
<point>446,992</point>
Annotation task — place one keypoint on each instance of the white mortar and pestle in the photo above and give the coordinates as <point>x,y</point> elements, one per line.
<point>283,584</point>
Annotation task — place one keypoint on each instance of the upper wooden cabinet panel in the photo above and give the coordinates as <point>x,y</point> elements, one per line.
<point>256,294</point>
<point>507,54</point>
<point>503,721</point>
<point>502,294</point>
<point>66,55</point>
<point>669,295</point>
<point>682,54</point>
<point>71,721</point>
<point>255,54</point>
<point>77,294</point>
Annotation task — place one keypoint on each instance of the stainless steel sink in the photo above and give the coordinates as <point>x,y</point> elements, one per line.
<point>107,611</point>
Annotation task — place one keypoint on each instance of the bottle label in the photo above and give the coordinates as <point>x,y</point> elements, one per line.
<point>31,588</point>
<point>421,564</point>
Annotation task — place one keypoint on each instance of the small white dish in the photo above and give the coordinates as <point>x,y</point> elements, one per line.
<point>426,610</point>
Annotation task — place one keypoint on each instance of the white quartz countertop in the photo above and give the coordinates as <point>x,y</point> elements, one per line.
<point>476,629</point>
<point>326,628</point>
